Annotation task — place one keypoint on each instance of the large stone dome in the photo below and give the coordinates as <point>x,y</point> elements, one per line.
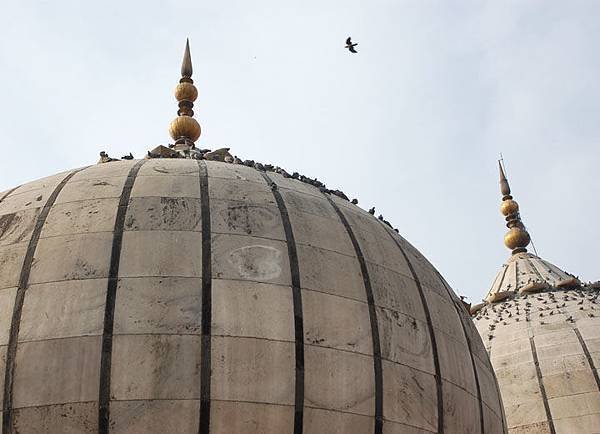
<point>183,296</point>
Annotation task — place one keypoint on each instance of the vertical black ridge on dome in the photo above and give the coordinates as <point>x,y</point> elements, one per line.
<point>538,372</point>
<point>434,348</point>
<point>588,356</point>
<point>111,295</point>
<point>297,304</point>
<point>470,346</point>
<point>15,324</point>
<point>205,350</point>
<point>5,195</point>
<point>377,364</point>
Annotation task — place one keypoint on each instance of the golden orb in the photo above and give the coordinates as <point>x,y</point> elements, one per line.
<point>516,237</point>
<point>185,126</point>
<point>509,207</point>
<point>186,92</point>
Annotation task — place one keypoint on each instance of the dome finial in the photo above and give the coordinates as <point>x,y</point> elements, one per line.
<point>184,129</point>
<point>517,238</point>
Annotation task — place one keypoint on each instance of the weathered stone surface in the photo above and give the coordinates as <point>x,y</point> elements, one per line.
<point>57,371</point>
<point>492,421</point>
<point>85,216</point>
<point>22,202</point>
<point>412,399</point>
<point>443,315</point>
<point>63,309</point>
<point>163,213</point>
<point>330,422</point>
<point>70,418</point>
<point>457,403</point>
<point>155,367</point>
<point>169,305</point>
<point>319,231</point>
<point>238,190</point>
<point>160,416</point>
<point>11,262</point>
<point>405,340</point>
<point>168,167</point>
<point>396,292</point>
<point>339,381</point>
<point>235,416</point>
<point>260,314</point>
<point>72,257</point>
<point>237,172</point>
<point>162,254</point>
<point>336,322</point>
<point>166,186</point>
<point>455,366</point>
<point>252,309</point>
<point>7,302</point>
<point>17,227</point>
<point>297,201</point>
<point>578,425</point>
<point>241,218</point>
<point>88,189</point>
<point>315,269</point>
<point>551,320</point>
<point>254,370</point>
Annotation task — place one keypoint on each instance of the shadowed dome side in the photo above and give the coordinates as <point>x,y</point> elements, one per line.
<point>127,285</point>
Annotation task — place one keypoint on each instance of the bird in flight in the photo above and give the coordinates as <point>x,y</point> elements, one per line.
<point>350,46</point>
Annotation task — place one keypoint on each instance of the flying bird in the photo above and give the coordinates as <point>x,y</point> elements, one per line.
<point>350,46</point>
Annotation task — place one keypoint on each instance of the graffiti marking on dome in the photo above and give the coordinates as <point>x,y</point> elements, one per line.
<point>257,262</point>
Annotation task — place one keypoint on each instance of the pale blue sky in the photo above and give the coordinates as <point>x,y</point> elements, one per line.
<point>412,124</point>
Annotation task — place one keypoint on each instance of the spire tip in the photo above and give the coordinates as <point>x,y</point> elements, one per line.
<point>186,65</point>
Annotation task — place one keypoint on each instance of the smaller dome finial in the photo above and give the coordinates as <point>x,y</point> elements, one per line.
<point>184,129</point>
<point>517,238</point>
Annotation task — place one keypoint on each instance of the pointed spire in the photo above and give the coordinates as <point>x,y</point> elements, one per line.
<point>517,238</point>
<point>504,187</point>
<point>186,65</point>
<point>184,129</point>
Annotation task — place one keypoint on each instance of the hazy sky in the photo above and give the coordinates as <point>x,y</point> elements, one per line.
<point>412,124</point>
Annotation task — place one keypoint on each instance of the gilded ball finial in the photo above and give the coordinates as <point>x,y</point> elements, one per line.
<point>509,207</point>
<point>186,92</point>
<point>517,239</point>
<point>185,127</point>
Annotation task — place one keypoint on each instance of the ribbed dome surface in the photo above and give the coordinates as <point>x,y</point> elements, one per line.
<point>545,349</point>
<point>524,272</point>
<point>181,296</point>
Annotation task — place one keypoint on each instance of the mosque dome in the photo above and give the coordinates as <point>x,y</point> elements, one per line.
<point>200,294</point>
<point>541,330</point>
